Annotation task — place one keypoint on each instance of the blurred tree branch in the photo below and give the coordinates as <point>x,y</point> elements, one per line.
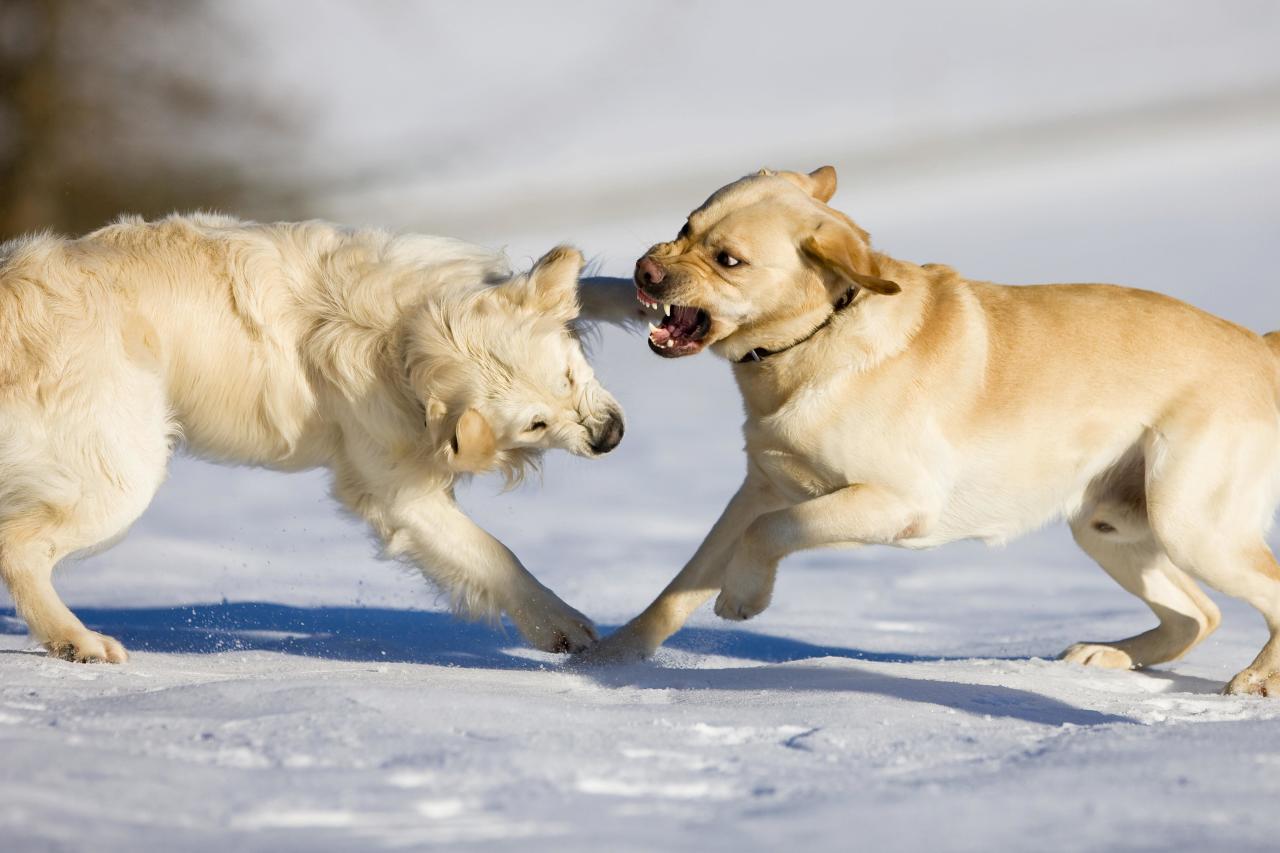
<point>124,106</point>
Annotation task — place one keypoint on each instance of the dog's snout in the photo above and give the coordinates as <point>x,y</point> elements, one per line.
<point>610,434</point>
<point>649,271</point>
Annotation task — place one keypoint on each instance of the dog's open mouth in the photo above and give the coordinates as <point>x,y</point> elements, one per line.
<point>682,329</point>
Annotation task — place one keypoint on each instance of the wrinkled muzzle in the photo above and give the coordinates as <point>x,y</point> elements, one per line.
<point>682,329</point>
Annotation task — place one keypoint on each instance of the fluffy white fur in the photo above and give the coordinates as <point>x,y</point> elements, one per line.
<point>398,362</point>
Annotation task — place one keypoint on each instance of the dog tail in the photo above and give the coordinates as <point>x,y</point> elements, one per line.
<point>1273,341</point>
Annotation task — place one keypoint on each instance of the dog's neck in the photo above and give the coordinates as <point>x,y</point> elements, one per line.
<point>813,308</point>
<point>761,353</point>
<point>857,338</point>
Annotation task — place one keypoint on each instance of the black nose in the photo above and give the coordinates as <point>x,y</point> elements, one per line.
<point>649,271</point>
<point>610,434</point>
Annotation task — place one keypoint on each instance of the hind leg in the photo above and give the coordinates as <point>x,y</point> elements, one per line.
<point>27,558</point>
<point>82,486</point>
<point>1129,552</point>
<point>1262,677</point>
<point>1247,571</point>
<point>1209,500</point>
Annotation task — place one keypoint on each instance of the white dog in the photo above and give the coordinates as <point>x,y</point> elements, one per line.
<point>398,362</point>
<point>890,403</point>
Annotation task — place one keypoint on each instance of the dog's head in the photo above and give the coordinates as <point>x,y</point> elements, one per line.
<point>756,265</point>
<point>502,376</point>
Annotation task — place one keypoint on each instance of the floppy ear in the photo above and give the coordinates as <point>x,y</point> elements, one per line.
<point>820,183</point>
<point>611,300</point>
<point>474,445</point>
<point>551,287</point>
<point>840,249</point>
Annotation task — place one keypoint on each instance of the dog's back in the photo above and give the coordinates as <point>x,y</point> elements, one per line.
<point>232,315</point>
<point>288,345</point>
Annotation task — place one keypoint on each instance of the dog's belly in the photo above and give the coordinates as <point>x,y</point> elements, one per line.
<point>261,447</point>
<point>974,511</point>
<point>993,492</point>
<point>994,516</point>
<point>1003,496</point>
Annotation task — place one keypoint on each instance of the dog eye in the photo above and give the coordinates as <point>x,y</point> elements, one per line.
<point>684,232</point>
<point>725,259</point>
<point>537,426</point>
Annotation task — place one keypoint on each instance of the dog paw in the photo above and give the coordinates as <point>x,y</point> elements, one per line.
<point>555,628</point>
<point>616,649</point>
<point>88,647</point>
<point>1097,654</point>
<point>1254,683</point>
<point>732,605</point>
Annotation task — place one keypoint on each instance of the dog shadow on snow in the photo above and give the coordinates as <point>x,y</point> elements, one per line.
<point>387,635</point>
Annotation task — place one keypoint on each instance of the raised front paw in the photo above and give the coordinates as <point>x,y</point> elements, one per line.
<point>87,646</point>
<point>737,604</point>
<point>553,626</point>
<point>747,587</point>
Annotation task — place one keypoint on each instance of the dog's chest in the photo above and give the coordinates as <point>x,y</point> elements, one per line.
<point>811,450</point>
<point>792,475</point>
<point>795,458</point>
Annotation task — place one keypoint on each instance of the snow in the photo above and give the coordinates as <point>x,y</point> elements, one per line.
<point>289,691</point>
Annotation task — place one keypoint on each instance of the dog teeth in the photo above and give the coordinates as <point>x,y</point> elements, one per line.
<point>670,344</point>
<point>666,310</point>
<point>652,328</point>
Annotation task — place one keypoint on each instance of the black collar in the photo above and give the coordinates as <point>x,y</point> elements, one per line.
<point>761,353</point>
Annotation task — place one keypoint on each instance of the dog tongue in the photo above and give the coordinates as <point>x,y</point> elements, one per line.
<point>677,326</point>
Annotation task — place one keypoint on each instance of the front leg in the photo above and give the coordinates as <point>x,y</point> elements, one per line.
<point>697,581</point>
<point>479,574</point>
<point>855,515</point>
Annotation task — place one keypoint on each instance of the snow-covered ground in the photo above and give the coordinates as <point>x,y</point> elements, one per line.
<point>288,691</point>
